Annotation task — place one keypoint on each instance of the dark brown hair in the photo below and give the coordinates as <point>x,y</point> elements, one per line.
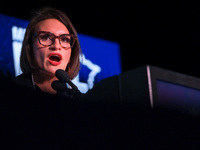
<point>26,59</point>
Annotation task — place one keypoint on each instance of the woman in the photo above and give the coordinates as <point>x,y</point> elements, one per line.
<point>50,43</point>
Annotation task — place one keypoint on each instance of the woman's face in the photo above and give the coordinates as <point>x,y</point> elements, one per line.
<point>50,58</point>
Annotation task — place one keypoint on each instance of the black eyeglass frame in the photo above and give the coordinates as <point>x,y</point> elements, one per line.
<point>71,35</point>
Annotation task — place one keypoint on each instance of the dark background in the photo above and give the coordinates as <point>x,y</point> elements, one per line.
<point>161,33</point>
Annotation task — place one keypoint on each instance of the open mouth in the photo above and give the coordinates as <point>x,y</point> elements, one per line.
<point>55,58</point>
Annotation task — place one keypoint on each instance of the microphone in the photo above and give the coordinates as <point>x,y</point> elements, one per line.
<point>62,89</point>
<point>63,77</point>
<point>58,86</point>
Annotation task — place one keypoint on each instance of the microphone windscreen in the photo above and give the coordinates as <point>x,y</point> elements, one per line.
<point>62,75</point>
<point>58,86</point>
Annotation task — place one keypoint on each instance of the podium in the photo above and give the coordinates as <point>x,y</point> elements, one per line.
<point>151,86</point>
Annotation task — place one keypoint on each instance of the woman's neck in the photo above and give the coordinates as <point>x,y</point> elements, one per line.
<point>44,80</point>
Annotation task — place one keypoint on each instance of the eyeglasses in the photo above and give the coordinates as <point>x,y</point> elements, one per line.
<point>47,39</point>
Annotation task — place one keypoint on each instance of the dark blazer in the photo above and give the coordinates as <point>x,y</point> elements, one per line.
<point>26,81</point>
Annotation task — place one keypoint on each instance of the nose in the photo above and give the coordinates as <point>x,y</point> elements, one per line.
<point>56,45</point>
